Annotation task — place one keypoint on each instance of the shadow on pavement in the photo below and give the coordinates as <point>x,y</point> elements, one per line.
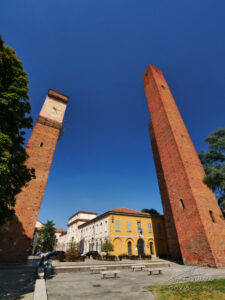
<point>16,281</point>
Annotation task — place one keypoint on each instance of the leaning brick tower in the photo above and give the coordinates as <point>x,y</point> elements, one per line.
<point>16,236</point>
<point>194,222</point>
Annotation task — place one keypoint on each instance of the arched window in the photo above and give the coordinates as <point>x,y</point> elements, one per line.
<point>129,248</point>
<point>151,248</point>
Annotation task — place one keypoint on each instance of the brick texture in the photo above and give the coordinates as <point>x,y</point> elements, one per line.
<point>172,239</point>
<point>16,236</point>
<point>187,201</point>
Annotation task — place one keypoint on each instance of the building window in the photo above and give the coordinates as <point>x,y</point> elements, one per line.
<point>149,227</point>
<point>41,144</point>
<point>117,225</point>
<point>151,248</point>
<point>105,225</point>
<point>182,203</point>
<point>139,226</point>
<point>140,231</point>
<point>129,246</point>
<point>159,228</point>
<point>212,216</point>
<point>100,227</point>
<point>128,226</point>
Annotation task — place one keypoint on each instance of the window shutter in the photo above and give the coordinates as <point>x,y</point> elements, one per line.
<point>117,225</point>
<point>128,226</point>
<point>149,227</point>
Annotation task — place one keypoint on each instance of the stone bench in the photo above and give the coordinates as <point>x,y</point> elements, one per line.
<point>137,267</point>
<point>153,270</point>
<point>112,272</point>
<point>97,270</point>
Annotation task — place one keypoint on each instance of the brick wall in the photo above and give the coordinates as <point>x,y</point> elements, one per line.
<point>16,236</point>
<point>202,241</point>
<point>172,240</point>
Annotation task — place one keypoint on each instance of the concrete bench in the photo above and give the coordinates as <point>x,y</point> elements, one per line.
<point>97,270</point>
<point>112,272</point>
<point>137,267</point>
<point>153,270</point>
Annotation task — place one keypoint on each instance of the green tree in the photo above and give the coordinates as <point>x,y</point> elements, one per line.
<point>72,252</point>
<point>213,162</point>
<point>107,247</point>
<point>14,108</point>
<point>46,239</point>
<point>150,211</point>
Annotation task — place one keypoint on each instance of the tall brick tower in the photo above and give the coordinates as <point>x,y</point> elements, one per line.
<point>16,236</point>
<point>194,222</point>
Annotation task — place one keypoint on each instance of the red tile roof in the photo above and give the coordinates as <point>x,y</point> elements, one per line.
<point>128,211</point>
<point>59,230</point>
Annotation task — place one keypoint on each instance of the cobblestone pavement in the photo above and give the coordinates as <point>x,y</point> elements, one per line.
<point>129,286</point>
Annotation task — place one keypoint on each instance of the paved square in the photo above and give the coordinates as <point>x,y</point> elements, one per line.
<point>129,286</point>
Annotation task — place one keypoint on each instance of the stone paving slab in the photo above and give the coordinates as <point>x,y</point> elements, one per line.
<point>129,286</point>
<point>17,282</point>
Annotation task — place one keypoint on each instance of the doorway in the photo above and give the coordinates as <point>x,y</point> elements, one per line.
<point>140,246</point>
<point>129,246</point>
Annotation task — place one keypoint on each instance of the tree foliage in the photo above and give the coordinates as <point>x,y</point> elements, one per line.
<point>150,211</point>
<point>213,162</point>
<point>107,247</point>
<point>14,107</point>
<point>72,252</point>
<point>46,239</point>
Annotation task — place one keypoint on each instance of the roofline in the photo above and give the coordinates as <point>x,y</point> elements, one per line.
<point>84,212</point>
<point>110,212</point>
<point>78,220</point>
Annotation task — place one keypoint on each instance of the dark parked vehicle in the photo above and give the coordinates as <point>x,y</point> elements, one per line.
<point>54,254</point>
<point>89,253</point>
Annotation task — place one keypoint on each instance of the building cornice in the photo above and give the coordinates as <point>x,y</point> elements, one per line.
<point>48,122</point>
<point>58,96</point>
<point>77,220</point>
<point>83,212</point>
<point>116,213</point>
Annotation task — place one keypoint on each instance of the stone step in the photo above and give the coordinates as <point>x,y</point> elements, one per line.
<point>73,268</point>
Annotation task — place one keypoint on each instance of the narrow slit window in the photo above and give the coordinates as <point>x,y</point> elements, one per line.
<point>182,203</point>
<point>212,216</point>
<point>41,144</point>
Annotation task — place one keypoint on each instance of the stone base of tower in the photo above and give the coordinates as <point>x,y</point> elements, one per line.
<point>15,244</point>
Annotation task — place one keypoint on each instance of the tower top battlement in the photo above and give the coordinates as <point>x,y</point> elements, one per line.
<point>54,107</point>
<point>58,96</point>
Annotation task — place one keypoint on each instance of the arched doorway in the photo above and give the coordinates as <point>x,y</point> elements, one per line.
<point>151,248</point>
<point>129,248</point>
<point>140,246</point>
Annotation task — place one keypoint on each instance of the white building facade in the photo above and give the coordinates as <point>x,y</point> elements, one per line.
<point>72,234</point>
<point>93,234</point>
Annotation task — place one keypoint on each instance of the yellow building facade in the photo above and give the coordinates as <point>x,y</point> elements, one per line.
<point>136,233</point>
<point>131,232</point>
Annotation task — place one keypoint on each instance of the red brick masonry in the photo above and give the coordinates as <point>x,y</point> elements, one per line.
<point>16,236</point>
<point>192,214</point>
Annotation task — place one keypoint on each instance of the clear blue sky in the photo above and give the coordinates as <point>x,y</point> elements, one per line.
<point>96,52</point>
